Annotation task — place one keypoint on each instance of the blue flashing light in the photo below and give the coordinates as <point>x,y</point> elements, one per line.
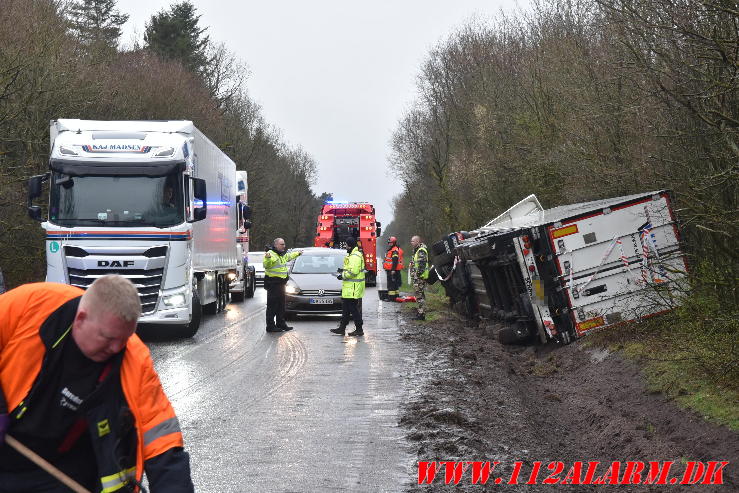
<point>337,202</point>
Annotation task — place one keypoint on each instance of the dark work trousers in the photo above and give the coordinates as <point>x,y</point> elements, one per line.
<point>275,303</point>
<point>351,307</point>
<point>393,283</point>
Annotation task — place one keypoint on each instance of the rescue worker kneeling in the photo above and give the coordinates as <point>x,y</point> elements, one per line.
<point>352,289</point>
<point>79,388</point>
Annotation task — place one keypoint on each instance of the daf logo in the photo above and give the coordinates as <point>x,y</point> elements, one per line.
<point>321,292</point>
<point>115,263</point>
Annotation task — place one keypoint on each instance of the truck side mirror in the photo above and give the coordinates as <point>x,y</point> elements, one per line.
<point>379,232</point>
<point>247,224</point>
<point>378,224</point>
<point>247,212</point>
<point>34,191</point>
<point>34,212</point>
<point>199,190</point>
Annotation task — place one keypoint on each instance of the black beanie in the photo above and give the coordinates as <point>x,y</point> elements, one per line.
<point>351,241</point>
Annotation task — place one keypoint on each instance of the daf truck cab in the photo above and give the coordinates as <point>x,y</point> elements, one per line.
<point>153,201</point>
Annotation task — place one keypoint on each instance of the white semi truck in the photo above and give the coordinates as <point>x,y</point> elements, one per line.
<point>154,201</point>
<point>243,285</point>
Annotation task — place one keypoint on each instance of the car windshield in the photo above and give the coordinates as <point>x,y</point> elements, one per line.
<point>316,263</point>
<point>128,201</point>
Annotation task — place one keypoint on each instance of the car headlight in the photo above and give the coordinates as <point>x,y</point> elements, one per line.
<point>292,289</point>
<point>175,300</point>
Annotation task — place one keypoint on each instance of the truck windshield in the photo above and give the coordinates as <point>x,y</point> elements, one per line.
<point>127,201</point>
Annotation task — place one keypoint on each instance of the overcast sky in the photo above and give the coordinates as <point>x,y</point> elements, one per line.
<point>334,75</point>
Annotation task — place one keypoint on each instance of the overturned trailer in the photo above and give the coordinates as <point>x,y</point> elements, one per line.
<point>555,274</point>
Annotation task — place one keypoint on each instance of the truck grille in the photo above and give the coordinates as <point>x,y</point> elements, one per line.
<point>148,282</point>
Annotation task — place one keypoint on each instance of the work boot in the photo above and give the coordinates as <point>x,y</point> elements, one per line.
<point>339,330</point>
<point>285,328</point>
<point>274,329</point>
<point>356,332</point>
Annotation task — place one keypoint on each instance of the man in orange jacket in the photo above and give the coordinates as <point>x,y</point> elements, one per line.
<point>78,387</point>
<point>393,265</point>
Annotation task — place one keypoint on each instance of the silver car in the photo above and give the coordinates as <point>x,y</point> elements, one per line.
<point>313,288</point>
<point>255,260</point>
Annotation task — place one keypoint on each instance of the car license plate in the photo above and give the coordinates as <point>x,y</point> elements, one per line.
<point>321,301</point>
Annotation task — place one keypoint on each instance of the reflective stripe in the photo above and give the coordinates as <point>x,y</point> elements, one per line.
<point>164,428</point>
<point>116,481</point>
<point>354,280</point>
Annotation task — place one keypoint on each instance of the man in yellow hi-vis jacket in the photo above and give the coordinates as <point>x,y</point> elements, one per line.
<point>352,289</point>
<point>275,278</point>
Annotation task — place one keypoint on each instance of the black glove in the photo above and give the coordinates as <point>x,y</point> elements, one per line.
<point>340,276</point>
<point>4,425</point>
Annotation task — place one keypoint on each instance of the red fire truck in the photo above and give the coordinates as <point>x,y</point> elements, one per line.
<point>340,220</point>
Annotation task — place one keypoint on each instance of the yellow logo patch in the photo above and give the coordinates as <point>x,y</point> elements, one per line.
<point>103,428</point>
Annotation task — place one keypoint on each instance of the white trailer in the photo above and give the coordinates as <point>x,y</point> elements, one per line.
<point>560,272</point>
<point>154,201</point>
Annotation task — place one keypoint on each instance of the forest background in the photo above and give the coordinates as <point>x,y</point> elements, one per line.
<point>61,59</point>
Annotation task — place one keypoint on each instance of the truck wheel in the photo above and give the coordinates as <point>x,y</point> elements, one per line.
<point>252,286</point>
<point>371,279</point>
<point>214,307</point>
<point>239,296</point>
<point>508,336</point>
<point>197,314</point>
<point>225,293</point>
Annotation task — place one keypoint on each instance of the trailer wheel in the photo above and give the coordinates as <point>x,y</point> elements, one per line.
<point>197,314</point>
<point>252,283</point>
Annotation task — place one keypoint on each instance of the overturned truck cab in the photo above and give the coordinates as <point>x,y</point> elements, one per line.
<point>555,274</point>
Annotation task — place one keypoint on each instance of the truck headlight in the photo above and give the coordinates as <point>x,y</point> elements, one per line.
<point>175,300</point>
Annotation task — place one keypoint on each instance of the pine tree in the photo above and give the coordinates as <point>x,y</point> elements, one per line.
<point>97,23</point>
<point>175,35</point>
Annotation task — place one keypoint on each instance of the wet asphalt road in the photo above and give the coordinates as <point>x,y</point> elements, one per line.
<point>299,411</point>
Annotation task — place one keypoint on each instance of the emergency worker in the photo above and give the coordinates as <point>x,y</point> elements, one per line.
<point>393,265</point>
<point>78,387</point>
<point>352,289</point>
<point>275,278</point>
<point>419,273</point>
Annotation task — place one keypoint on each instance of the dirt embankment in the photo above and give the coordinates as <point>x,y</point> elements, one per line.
<point>478,400</point>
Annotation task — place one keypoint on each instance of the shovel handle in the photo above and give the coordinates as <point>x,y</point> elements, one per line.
<point>45,465</point>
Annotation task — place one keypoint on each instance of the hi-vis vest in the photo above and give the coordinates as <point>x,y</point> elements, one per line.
<point>47,310</point>
<point>425,273</point>
<point>388,263</point>
<point>352,285</point>
<point>276,265</point>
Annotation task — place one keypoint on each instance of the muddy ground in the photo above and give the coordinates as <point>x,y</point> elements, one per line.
<point>478,400</point>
